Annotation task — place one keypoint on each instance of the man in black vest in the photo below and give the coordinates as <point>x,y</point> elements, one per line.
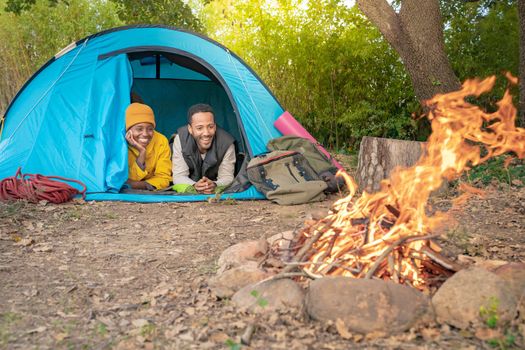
<point>203,154</point>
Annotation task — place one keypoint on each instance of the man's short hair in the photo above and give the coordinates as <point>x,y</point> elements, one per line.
<point>199,108</point>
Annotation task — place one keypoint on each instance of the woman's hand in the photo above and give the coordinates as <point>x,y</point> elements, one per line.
<point>134,143</point>
<point>141,159</point>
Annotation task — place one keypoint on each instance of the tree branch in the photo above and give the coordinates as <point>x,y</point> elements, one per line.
<point>383,16</point>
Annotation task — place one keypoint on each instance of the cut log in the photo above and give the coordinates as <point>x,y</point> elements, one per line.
<point>378,156</point>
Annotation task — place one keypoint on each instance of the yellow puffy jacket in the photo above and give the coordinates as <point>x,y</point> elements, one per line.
<point>157,171</point>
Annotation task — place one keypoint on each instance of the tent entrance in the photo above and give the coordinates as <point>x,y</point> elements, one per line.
<point>170,83</point>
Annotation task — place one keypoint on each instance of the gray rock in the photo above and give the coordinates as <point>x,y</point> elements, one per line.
<point>514,274</point>
<point>269,296</point>
<point>225,284</point>
<point>461,298</point>
<point>282,239</point>
<point>240,253</point>
<point>366,306</point>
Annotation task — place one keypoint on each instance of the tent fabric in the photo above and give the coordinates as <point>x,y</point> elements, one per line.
<point>250,194</point>
<point>68,120</point>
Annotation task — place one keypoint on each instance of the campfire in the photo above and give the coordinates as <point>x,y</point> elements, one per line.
<point>389,235</point>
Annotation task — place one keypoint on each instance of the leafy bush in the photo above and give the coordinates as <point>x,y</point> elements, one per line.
<point>495,170</point>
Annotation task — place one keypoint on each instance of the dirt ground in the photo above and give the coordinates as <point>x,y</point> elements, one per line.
<point>110,275</point>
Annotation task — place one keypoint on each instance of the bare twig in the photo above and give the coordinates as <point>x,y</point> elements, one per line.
<point>392,267</point>
<point>246,337</point>
<point>391,247</point>
<point>328,251</point>
<point>440,259</point>
<point>282,275</point>
<point>305,248</point>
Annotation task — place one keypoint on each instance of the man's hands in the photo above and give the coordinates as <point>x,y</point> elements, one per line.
<point>141,159</point>
<point>205,186</point>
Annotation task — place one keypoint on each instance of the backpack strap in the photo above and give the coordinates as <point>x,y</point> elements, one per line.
<point>266,181</point>
<point>302,170</point>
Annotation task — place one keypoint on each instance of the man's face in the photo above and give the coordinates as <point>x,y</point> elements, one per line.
<point>203,129</point>
<point>142,133</point>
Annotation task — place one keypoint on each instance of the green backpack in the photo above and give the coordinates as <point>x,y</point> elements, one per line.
<point>320,163</point>
<point>286,178</point>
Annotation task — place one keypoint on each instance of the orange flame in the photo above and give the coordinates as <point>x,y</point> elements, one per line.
<point>364,231</point>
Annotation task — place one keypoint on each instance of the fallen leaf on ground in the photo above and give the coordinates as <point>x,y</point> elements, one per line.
<point>140,322</point>
<point>186,336</point>
<point>37,330</point>
<point>175,330</point>
<point>60,336</point>
<point>430,334</point>
<point>190,311</point>
<point>28,225</point>
<point>219,337</point>
<point>30,293</point>
<point>342,330</point>
<point>25,241</point>
<point>375,335</point>
<point>487,333</point>
<point>45,248</point>
<point>110,324</point>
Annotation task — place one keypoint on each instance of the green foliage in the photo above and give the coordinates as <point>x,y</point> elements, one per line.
<point>230,343</point>
<point>31,38</point>
<point>489,312</point>
<point>148,330</point>
<point>8,209</point>
<point>102,329</point>
<point>337,75</point>
<point>259,299</point>
<point>7,321</point>
<point>169,12</point>
<point>17,6</point>
<point>324,61</point>
<point>482,39</point>
<point>504,343</point>
<point>495,170</point>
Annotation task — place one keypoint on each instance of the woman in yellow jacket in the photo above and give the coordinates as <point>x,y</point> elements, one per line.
<point>149,154</point>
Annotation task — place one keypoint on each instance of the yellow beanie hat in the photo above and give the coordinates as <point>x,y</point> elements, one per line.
<point>139,113</point>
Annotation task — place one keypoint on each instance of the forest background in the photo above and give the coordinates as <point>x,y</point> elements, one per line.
<point>324,60</point>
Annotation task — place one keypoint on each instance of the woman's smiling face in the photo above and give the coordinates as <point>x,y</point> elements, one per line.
<point>142,133</point>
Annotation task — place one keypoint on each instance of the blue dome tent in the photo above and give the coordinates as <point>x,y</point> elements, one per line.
<point>68,119</point>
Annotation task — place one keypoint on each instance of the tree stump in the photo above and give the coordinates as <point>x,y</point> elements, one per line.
<point>378,156</point>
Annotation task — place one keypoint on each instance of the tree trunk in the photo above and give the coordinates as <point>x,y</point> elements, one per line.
<point>416,33</point>
<point>521,103</point>
<point>378,156</point>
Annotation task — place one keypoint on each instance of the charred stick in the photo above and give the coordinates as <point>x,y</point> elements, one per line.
<point>393,210</point>
<point>387,225</point>
<point>366,235</point>
<point>440,259</point>
<point>359,221</point>
<point>437,269</point>
<point>328,251</point>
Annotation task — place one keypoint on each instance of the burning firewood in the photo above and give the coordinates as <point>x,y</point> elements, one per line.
<point>388,235</point>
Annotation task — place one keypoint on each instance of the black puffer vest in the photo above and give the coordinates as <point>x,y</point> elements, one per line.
<point>209,166</point>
